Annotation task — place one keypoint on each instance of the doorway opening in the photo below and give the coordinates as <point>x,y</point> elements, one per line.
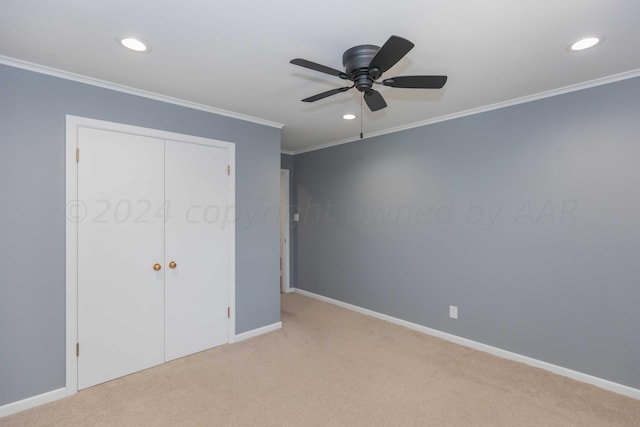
<point>285,231</point>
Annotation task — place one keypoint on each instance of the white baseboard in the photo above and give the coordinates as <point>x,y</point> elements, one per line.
<point>579,376</point>
<point>255,332</point>
<point>41,399</point>
<point>32,402</point>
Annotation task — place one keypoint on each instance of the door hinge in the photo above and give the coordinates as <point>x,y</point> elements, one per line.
<point>228,312</point>
<point>77,154</point>
<point>229,170</point>
<point>77,349</point>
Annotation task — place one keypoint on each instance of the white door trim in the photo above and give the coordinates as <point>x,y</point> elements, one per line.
<point>74,214</point>
<point>287,234</point>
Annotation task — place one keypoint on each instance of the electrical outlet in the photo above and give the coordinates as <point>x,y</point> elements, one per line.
<point>296,217</point>
<point>453,311</point>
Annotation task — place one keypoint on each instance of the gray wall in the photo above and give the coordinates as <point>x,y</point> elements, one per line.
<point>287,162</point>
<point>527,218</point>
<point>32,215</point>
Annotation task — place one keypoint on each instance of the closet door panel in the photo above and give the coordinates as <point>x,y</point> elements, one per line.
<point>196,239</point>
<point>120,238</point>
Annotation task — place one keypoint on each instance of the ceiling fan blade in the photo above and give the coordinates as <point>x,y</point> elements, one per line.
<point>326,94</point>
<point>390,53</point>
<point>374,100</point>
<point>416,82</point>
<point>318,67</point>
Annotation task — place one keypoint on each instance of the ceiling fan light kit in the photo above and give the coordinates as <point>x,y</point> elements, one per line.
<point>365,64</point>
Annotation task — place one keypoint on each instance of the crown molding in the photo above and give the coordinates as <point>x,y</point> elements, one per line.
<point>290,153</point>
<point>42,69</point>
<point>529,98</point>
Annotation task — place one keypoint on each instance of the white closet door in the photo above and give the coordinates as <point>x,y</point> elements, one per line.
<point>120,295</point>
<point>197,241</point>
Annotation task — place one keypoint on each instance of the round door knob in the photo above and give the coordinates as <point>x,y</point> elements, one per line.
<point>172,264</point>
<point>157,267</point>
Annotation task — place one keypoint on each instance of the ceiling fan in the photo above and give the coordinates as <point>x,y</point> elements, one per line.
<point>365,64</point>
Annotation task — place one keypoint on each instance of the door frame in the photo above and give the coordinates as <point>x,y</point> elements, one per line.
<point>73,214</point>
<point>286,233</point>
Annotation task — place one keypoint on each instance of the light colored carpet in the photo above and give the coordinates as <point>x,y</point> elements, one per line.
<point>332,367</point>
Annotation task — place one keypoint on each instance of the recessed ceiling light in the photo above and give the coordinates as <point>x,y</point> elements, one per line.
<point>349,116</point>
<point>585,43</point>
<point>135,44</point>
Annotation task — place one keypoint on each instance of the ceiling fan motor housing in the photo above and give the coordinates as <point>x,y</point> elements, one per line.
<point>356,64</point>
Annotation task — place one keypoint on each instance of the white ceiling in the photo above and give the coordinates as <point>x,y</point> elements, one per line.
<point>234,55</point>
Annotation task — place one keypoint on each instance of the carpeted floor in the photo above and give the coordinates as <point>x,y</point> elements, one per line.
<point>332,367</point>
